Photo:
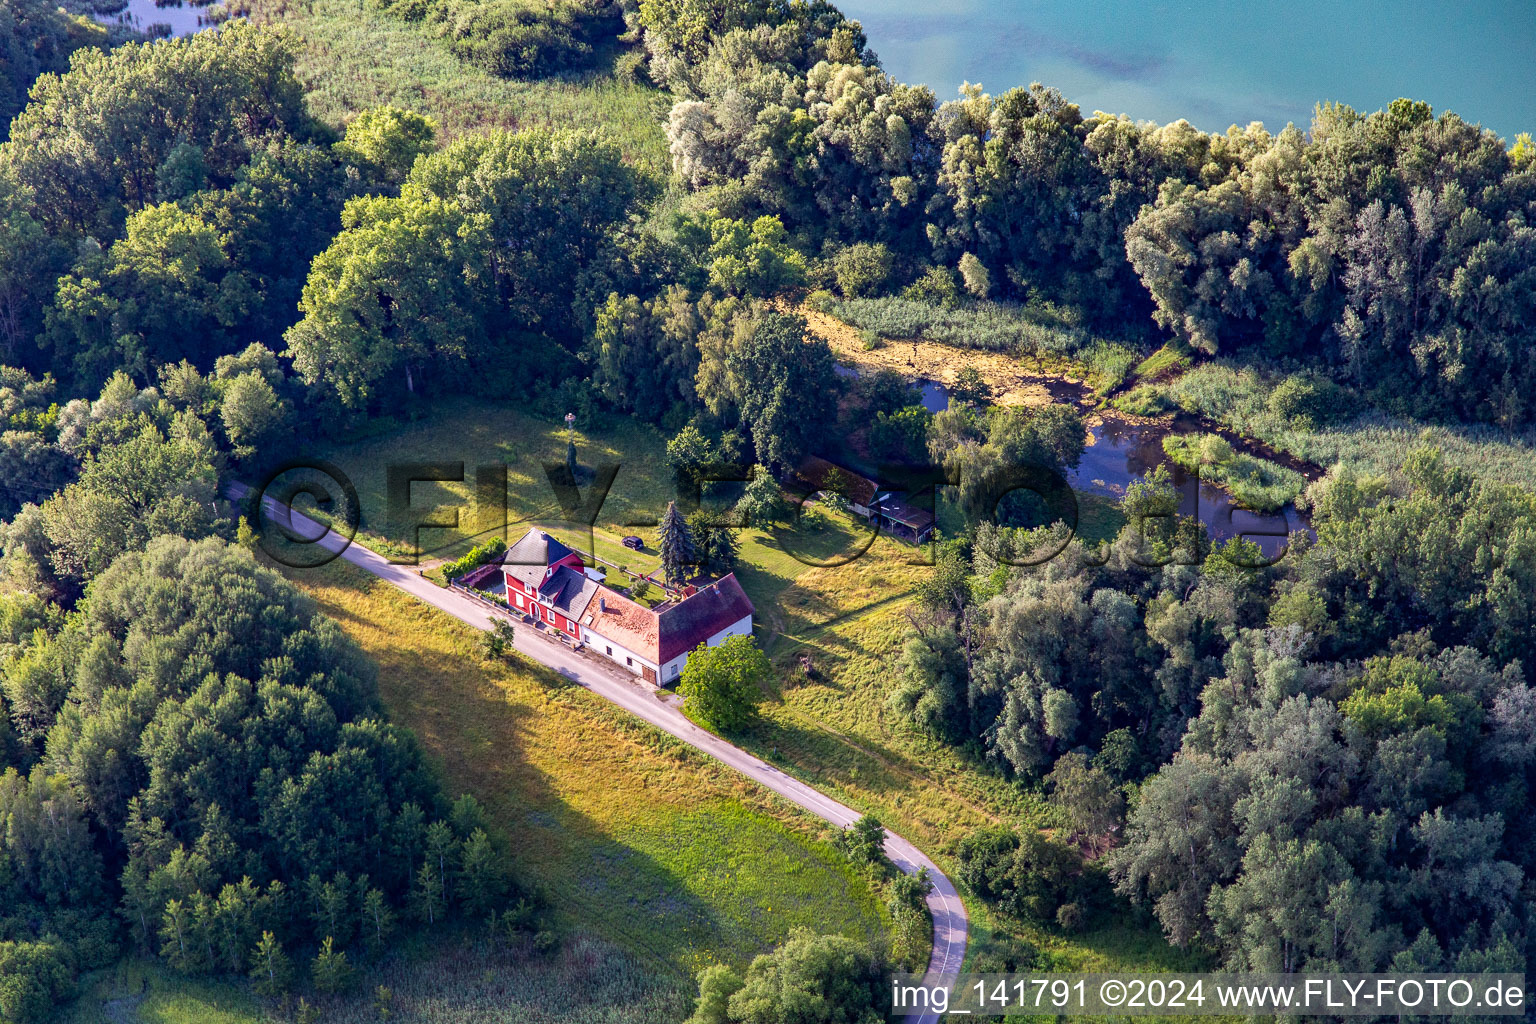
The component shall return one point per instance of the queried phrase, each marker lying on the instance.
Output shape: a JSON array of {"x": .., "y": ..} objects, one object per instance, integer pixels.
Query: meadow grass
[
  {"x": 1165, "y": 359},
  {"x": 445, "y": 977},
  {"x": 832, "y": 728},
  {"x": 1237, "y": 396},
  {"x": 628, "y": 833},
  {"x": 1144, "y": 400},
  {"x": 1110, "y": 363},
  {"x": 353, "y": 57},
  {"x": 1253, "y": 482}
]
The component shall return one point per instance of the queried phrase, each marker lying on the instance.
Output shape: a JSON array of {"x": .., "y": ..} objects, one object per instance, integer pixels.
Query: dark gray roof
[
  {"x": 568, "y": 591},
  {"x": 530, "y": 558}
]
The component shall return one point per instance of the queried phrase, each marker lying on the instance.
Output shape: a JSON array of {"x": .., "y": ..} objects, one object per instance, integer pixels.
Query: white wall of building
[
  {"x": 671, "y": 670},
  {"x": 674, "y": 668},
  {"x": 621, "y": 655}
]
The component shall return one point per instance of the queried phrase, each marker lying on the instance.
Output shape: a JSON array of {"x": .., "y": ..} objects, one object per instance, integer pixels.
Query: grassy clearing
[
  {"x": 1165, "y": 360},
  {"x": 478, "y": 434},
  {"x": 828, "y": 548},
  {"x": 449, "y": 978},
  {"x": 1253, "y": 482},
  {"x": 354, "y": 58},
  {"x": 629, "y": 833},
  {"x": 1242, "y": 398}
]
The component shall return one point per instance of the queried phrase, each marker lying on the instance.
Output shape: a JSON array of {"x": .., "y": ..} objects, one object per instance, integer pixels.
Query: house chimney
[{"x": 602, "y": 605}]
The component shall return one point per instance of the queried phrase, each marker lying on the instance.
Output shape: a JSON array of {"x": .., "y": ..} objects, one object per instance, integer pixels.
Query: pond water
[
  {"x": 935, "y": 395},
  {"x": 182, "y": 19},
  {"x": 1123, "y": 452},
  {"x": 1220, "y": 63}
]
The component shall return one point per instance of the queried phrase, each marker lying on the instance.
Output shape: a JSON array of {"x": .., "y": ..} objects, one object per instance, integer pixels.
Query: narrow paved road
[{"x": 629, "y": 693}]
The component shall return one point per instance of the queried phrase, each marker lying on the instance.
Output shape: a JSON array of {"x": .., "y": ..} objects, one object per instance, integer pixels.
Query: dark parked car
[{"x": 633, "y": 543}]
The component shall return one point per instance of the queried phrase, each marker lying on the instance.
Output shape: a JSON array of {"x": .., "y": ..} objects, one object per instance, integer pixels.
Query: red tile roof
[
  {"x": 615, "y": 617},
  {"x": 818, "y": 473},
  {"x": 673, "y": 629},
  {"x": 695, "y": 619}
]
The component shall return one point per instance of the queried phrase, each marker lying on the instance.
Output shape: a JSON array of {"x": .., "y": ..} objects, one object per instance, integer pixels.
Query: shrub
[
  {"x": 900, "y": 436},
  {"x": 1025, "y": 875},
  {"x": 820, "y": 300},
  {"x": 34, "y": 977},
  {"x": 936, "y": 287},
  {"x": 974, "y": 273},
  {"x": 1215, "y": 450},
  {"x": 1307, "y": 403},
  {"x": 970, "y": 388},
  {"x": 1253, "y": 482},
  {"x": 477, "y": 556},
  {"x": 1144, "y": 400},
  {"x": 810, "y": 979},
  {"x": 862, "y": 269}
]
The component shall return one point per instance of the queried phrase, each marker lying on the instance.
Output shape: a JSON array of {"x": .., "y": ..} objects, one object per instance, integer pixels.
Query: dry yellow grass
[
  {"x": 630, "y": 833},
  {"x": 1014, "y": 381}
]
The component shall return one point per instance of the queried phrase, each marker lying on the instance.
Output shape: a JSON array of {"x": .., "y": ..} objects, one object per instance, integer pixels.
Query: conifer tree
[
  {"x": 331, "y": 972},
  {"x": 676, "y": 542},
  {"x": 270, "y": 969}
]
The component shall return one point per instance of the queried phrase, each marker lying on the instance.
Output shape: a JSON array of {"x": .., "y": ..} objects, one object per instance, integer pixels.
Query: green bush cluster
[
  {"x": 1255, "y": 483},
  {"x": 514, "y": 38},
  {"x": 1029, "y": 877},
  {"x": 477, "y": 556}
]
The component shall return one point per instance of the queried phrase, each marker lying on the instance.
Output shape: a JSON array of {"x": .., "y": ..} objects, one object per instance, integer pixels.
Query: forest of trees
[{"x": 1320, "y": 763}]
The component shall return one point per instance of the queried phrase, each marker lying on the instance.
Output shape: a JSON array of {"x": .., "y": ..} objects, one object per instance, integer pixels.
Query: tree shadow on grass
[{"x": 476, "y": 737}]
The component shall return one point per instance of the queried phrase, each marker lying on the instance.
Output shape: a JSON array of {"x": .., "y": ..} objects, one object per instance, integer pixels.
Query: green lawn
[
  {"x": 478, "y": 433},
  {"x": 631, "y": 834},
  {"x": 828, "y": 553},
  {"x": 833, "y": 728},
  {"x": 353, "y": 58}
]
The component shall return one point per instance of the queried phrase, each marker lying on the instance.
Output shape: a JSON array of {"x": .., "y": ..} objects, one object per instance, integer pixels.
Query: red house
[{"x": 549, "y": 581}]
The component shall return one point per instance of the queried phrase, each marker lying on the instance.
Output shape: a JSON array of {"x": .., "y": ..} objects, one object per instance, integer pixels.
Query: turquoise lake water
[{"x": 1218, "y": 64}]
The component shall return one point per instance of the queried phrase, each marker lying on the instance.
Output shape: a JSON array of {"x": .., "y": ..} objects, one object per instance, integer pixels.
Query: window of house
[
  {"x": 610, "y": 652},
  {"x": 630, "y": 662}
]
